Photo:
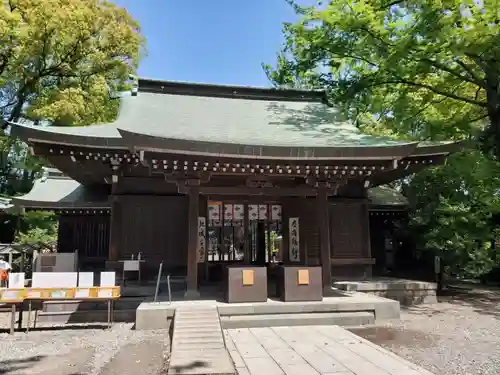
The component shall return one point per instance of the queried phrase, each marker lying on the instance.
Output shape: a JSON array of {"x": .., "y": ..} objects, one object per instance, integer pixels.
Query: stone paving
[{"x": 325, "y": 350}]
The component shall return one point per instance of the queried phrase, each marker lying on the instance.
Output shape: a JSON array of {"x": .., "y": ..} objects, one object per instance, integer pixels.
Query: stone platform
[
  {"x": 407, "y": 292},
  {"x": 346, "y": 309},
  {"x": 326, "y": 350}
]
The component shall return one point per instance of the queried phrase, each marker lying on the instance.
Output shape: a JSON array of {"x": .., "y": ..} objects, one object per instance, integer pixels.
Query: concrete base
[
  {"x": 406, "y": 292},
  {"x": 154, "y": 315},
  {"x": 151, "y": 315}
]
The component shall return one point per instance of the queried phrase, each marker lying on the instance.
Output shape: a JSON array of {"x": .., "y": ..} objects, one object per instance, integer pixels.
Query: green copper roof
[
  {"x": 385, "y": 196},
  {"x": 226, "y": 120},
  {"x": 280, "y": 119},
  {"x": 61, "y": 192},
  {"x": 241, "y": 121}
]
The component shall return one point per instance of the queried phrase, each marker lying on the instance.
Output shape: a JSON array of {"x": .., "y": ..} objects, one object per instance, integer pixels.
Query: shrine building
[{"x": 208, "y": 177}]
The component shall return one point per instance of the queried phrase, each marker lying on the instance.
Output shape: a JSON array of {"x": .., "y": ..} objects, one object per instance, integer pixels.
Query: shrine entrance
[{"x": 242, "y": 233}]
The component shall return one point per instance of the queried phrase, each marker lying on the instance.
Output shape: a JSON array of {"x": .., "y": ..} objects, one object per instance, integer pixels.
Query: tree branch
[
  {"x": 469, "y": 70},
  {"x": 427, "y": 87},
  {"x": 392, "y": 3},
  {"x": 453, "y": 72}
]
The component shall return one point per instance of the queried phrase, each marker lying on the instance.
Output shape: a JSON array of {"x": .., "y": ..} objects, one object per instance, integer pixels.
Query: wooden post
[
  {"x": 115, "y": 230},
  {"x": 246, "y": 232},
  {"x": 192, "y": 261},
  {"x": 324, "y": 235}
]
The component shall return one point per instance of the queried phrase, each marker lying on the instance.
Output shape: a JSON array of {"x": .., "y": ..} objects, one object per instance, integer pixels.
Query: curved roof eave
[
  {"x": 74, "y": 136},
  {"x": 139, "y": 141},
  {"x": 61, "y": 193},
  {"x": 440, "y": 148}
]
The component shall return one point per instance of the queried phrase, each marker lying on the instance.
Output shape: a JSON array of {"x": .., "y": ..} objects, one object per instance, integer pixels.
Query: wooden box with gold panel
[
  {"x": 246, "y": 284},
  {"x": 299, "y": 283}
]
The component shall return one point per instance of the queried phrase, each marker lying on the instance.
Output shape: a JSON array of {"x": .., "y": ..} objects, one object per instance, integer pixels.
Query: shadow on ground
[
  {"x": 394, "y": 336},
  {"x": 190, "y": 366},
  {"x": 60, "y": 328},
  {"x": 16, "y": 365}
]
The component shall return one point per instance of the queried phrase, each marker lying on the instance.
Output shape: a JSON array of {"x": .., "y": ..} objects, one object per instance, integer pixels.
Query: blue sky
[{"x": 211, "y": 41}]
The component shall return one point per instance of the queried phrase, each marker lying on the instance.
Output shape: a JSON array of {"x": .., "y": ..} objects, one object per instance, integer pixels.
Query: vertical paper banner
[
  {"x": 275, "y": 212},
  {"x": 294, "y": 240},
  {"x": 253, "y": 212},
  {"x": 228, "y": 212},
  {"x": 214, "y": 210},
  {"x": 238, "y": 212},
  {"x": 202, "y": 244},
  {"x": 262, "y": 211}
]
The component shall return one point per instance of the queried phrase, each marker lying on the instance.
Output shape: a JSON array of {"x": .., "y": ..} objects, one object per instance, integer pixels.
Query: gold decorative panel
[
  {"x": 248, "y": 277},
  {"x": 303, "y": 277}
]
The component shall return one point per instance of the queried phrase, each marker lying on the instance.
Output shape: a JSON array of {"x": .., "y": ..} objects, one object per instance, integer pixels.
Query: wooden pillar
[
  {"x": 324, "y": 236},
  {"x": 246, "y": 234},
  {"x": 192, "y": 261},
  {"x": 115, "y": 229}
]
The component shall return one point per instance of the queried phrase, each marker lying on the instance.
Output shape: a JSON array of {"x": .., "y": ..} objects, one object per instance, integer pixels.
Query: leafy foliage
[
  {"x": 417, "y": 69},
  {"x": 453, "y": 212},
  {"x": 37, "y": 229},
  {"x": 62, "y": 62},
  {"x": 421, "y": 70},
  {"x": 61, "y": 59}
]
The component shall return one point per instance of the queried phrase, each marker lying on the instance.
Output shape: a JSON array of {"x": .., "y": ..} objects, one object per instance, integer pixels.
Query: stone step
[
  {"x": 90, "y": 316},
  {"x": 308, "y": 319}
]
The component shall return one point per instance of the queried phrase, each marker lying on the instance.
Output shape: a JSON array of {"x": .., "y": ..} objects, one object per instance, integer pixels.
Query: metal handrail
[{"x": 160, "y": 269}]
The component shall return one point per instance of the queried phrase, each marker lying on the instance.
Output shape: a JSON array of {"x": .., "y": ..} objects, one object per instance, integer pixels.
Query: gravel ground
[
  {"x": 458, "y": 336},
  {"x": 83, "y": 350}
]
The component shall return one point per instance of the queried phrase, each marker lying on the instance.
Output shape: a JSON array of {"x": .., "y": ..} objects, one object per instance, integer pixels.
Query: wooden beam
[{"x": 249, "y": 191}]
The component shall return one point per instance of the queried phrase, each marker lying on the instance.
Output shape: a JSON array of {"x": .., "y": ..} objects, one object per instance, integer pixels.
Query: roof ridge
[{"x": 230, "y": 91}]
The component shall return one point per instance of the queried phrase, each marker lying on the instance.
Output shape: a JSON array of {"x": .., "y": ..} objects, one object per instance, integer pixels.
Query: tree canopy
[
  {"x": 61, "y": 59},
  {"x": 455, "y": 211},
  {"x": 62, "y": 62},
  {"x": 416, "y": 69},
  {"x": 421, "y": 70}
]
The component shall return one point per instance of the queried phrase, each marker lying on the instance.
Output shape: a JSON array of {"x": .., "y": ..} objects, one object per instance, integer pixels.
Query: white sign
[
  {"x": 131, "y": 265},
  {"x": 85, "y": 279},
  {"x": 202, "y": 239},
  {"x": 294, "y": 239},
  {"x": 16, "y": 280},
  {"x": 54, "y": 279},
  {"x": 108, "y": 279}
]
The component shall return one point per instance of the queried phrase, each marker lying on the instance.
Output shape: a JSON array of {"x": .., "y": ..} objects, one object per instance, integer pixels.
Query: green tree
[
  {"x": 453, "y": 209},
  {"x": 37, "y": 229},
  {"x": 62, "y": 62},
  {"x": 61, "y": 59},
  {"x": 416, "y": 69}
]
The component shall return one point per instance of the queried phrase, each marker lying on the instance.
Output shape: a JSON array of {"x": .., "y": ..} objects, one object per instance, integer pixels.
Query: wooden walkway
[{"x": 198, "y": 343}]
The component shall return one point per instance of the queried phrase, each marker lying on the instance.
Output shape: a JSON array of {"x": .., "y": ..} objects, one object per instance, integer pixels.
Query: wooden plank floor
[{"x": 198, "y": 344}]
